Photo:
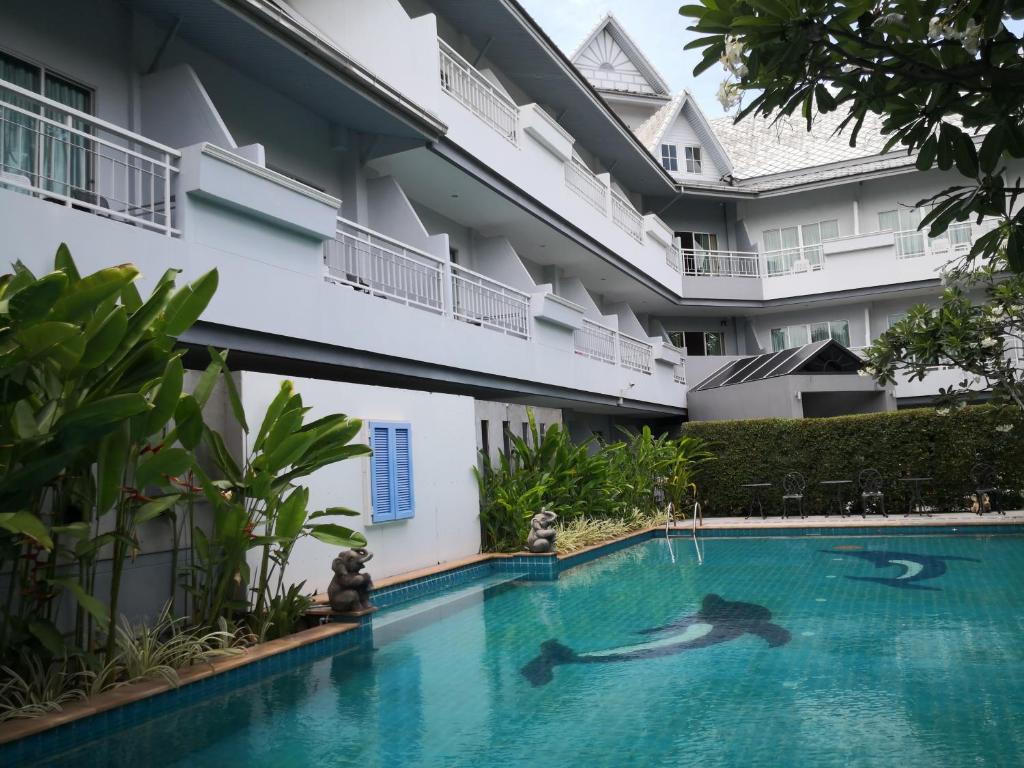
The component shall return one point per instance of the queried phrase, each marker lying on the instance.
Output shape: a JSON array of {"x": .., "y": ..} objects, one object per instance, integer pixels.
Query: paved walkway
[{"x": 1015, "y": 517}]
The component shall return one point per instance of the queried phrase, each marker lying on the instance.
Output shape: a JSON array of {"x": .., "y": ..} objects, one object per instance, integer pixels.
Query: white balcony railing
[
  {"x": 584, "y": 183},
  {"x": 635, "y": 354},
  {"x": 461, "y": 80},
  {"x": 70, "y": 157},
  {"x": 956, "y": 241},
  {"x": 793, "y": 261},
  {"x": 479, "y": 300},
  {"x": 371, "y": 262},
  {"x": 627, "y": 218},
  {"x": 595, "y": 341},
  {"x": 721, "y": 263}
]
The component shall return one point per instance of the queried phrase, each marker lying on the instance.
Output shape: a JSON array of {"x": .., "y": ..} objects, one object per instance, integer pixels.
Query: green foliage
[
  {"x": 260, "y": 505},
  {"x": 940, "y": 74},
  {"x": 599, "y": 482},
  {"x": 583, "y": 532},
  {"x": 985, "y": 340},
  {"x": 920, "y": 443}
]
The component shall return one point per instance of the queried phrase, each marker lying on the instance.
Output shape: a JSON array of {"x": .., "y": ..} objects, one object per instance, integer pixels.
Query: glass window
[
  {"x": 668, "y": 157},
  {"x": 693, "y": 159},
  {"x": 714, "y": 342},
  {"x": 699, "y": 343},
  {"x": 791, "y": 336}
]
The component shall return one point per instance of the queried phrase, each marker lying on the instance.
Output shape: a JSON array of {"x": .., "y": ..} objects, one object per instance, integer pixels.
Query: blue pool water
[{"x": 844, "y": 671}]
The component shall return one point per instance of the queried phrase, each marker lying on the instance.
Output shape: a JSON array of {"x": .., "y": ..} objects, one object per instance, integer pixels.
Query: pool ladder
[{"x": 670, "y": 522}]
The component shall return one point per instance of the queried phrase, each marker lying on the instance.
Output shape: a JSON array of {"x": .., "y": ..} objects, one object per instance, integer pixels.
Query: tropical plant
[
  {"x": 596, "y": 481},
  {"x": 259, "y": 505},
  {"x": 90, "y": 382},
  {"x": 583, "y": 532}
]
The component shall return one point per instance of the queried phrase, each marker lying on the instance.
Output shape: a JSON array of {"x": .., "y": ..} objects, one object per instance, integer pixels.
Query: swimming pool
[{"x": 792, "y": 660}]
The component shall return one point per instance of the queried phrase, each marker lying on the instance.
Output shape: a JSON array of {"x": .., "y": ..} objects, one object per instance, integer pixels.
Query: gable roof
[
  {"x": 652, "y": 131},
  {"x": 608, "y": 48},
  {"x": 821, "y": 357}
]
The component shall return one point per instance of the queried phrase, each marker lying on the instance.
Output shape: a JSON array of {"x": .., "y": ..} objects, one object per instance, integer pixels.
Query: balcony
[
  {"x": 68, "y": 157},
  {"x": 598, "y": 342},
  {"x": 626, "y": 217},
  {"x": 581, "y": 180},
  {"x": 461, "y": 81},
  {"x": 380, "y": 266}
]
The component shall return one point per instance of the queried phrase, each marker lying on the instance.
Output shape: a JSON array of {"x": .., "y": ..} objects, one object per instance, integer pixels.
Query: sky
[{"x": 656, "y": 27}]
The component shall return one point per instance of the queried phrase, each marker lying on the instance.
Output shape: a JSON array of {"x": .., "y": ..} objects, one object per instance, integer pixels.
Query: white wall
[{"x": 446, "y": 525}]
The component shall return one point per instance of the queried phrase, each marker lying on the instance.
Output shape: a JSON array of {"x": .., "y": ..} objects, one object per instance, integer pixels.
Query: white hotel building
[{"x": 429, "y": 216}]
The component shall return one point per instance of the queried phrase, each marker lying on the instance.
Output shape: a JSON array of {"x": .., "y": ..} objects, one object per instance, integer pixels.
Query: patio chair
[
  {"x": 985, "y": 480},
  {"x": 793, "y": 485},
  {"x": 871, "y": 483}
]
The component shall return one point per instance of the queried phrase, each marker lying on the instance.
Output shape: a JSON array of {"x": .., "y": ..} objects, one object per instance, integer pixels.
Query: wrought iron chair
[
  {"x": 871, "y": 489},
  {"x": 986, "y": 483},
  {"x": 793, "y": 485}
]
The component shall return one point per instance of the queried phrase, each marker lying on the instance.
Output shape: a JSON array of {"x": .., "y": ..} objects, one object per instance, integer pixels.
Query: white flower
[
  {"x": 988, "y": 342},
  {"x": 728, "y": 95},
  {"x": 972, "y": 37},
  {"x": 1004, "y": 427},
  {"x": 942, "y": 411},
  {"x": 732, "y": 56},
  {"x": 935, "y": 28}
]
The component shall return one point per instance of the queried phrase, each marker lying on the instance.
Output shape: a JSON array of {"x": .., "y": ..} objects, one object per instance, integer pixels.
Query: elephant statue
[
  {"x": 542, "y": 532},
  {"x": 349, "y": 590}
]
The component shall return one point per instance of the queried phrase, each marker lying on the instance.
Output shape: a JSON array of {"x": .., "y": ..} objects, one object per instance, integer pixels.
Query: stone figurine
[
  {"x": 542, "y": 532},
  {"x": 349, "y": 590}
]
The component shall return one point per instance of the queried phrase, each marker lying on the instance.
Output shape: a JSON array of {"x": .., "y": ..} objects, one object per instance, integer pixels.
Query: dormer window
[
  {"x": 693, "y": 159},
  {"x": 669, "y": 159}
]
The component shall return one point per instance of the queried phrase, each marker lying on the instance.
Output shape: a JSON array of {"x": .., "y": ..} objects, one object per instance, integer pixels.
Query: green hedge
[{"x": 920, "y": 442}]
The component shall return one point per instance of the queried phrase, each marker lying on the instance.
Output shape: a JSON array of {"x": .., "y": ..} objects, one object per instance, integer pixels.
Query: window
[
  {"x": 51, "y": 157},
  {"x": 693, "y": 161},
  {"x": 787, "y": 246},
  {"x": 668, "y": 157},
  {"x": 797, "y": 335},
  {"x": 699, "y": 343},
  {"x": 391, "y": 486}
]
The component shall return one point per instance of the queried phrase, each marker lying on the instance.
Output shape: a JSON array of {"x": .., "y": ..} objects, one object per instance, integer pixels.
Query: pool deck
[{"x": 965, "y": 519}]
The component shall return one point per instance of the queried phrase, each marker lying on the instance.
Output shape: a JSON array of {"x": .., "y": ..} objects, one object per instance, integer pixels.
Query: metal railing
[
  {"x": 371, "y": 262},
  {"x": 721, "y": 263},
  {"x": 595, "y": 341},
  {"x": 479, "y": 300},
  {"x": 626, "y": 217},
  {"x": 60, "y": 154},
  {"x": 584, "y": 183},
  {"x": 461, "y": 80},
  {"x": 793, "y": 261},
  {"x": 635, "y": 354},
  {"x": 956, "y": 241}
]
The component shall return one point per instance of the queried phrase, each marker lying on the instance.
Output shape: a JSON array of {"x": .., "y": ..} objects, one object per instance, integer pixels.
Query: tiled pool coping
[{"x": 25, "y": 740}]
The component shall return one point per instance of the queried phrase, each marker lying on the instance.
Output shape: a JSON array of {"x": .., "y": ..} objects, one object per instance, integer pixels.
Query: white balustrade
[
  {"x": 721, "y": 263},
  {"x": 635, "y": 354},
  {"x": 595, "y": 341},
  {"x": 60, "y": 154},
  {"x": 371, "y": 262},
  {"x": 584, "y": 183},
  {"x": 479, "y": 300},
  {"x": 461, "y": 80},
  {"x": 955, "y": 241},
  {"x": 627, "y": 218},
  {"x": 674, "y": 257},
  {"x": 793, "y": 261}
]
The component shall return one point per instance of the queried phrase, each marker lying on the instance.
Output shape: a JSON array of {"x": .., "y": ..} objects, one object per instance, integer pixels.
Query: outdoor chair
[
  {"x": 870, "y": 482},
  {"x": 985, "y": 479},
  {"x": 793, "y": 485}
]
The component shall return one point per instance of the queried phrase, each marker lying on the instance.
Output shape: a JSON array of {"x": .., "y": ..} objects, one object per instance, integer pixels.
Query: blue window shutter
[
  {"x": 391, "y": 480},
  {"x": 380, "y": 472},
  {"x": 403, "y": 495}
]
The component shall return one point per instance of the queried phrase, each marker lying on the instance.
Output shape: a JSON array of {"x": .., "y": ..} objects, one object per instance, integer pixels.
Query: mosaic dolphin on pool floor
[
  {"x": 916, "y": 568},
  {"x": 717, "y": 621}
]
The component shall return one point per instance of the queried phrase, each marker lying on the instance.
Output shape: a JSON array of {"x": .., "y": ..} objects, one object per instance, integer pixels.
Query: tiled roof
[
  {"x": 760, "y": 147},
  {"x": 653, "y": 128}
]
